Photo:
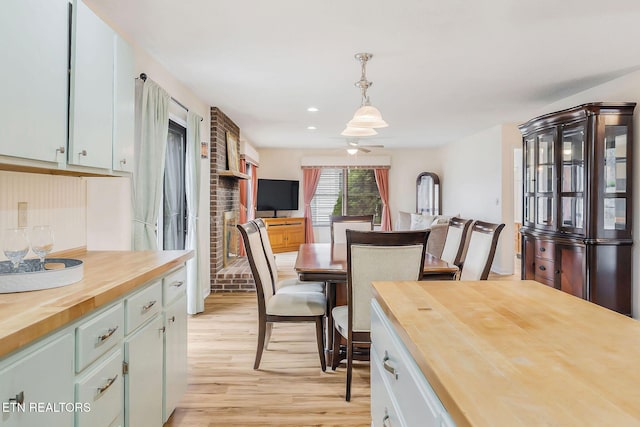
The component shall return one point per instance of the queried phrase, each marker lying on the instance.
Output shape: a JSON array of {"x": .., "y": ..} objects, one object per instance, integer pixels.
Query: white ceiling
[{"x": 442, "y": 70}]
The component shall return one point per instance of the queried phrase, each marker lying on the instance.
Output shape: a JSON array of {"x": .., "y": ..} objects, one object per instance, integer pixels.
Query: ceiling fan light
[
  {"x": 358, "y": 131},
  {"x": 352, "y": 151},
  {"x": 368, "y": 116}
]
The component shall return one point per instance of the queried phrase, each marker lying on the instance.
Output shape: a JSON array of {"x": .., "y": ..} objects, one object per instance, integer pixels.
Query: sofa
[{"x": 437, "y": 224}]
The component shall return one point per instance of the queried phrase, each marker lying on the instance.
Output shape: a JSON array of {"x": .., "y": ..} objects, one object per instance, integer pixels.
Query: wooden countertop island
[
  {"x": 27, "y": 316},
  {"x": 501, "y": 353}
]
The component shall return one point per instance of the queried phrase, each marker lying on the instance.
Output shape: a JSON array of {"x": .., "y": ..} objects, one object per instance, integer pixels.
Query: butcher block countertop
[
  {"x": 502, "y": 353},
  {"x": 27, "y": 316}
]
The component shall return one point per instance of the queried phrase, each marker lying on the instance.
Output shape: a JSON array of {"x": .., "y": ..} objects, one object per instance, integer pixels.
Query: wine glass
[
  {"x": 15, "y": 245},
  {"x": 41, "y": 241}
]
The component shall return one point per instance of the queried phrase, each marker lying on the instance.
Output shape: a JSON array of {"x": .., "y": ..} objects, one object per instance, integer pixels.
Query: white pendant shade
[
  {"x": 352, "y": 151},
  {"x": 367, "y": 116},
  {"x": 358, "y": 131}
]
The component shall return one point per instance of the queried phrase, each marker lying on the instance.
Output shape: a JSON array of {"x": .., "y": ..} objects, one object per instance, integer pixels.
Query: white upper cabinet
[
  {"x": 33, "y": 48},
  {"x": 91, "y": 101},
  {"x": 123, "y": 107}
]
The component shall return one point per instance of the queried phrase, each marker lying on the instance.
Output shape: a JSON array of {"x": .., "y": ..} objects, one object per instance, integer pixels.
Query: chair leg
[
  {"x": 320, "y": 340},
  {"x": 262, "y": 330},
  {"x": 349, "y": 369},
  {"x": 267, "y": 335},
  {"x": 335, "y": 352}
]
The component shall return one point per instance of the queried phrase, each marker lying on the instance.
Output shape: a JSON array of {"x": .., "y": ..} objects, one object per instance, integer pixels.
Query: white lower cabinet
[
  {"x": 143, "y": 383},
  {"x": 101, "y": 389},
  {"x": 411, "y": 400},
  {"x": 175, "y": 355},
  {"x": 37, "y": 388}
]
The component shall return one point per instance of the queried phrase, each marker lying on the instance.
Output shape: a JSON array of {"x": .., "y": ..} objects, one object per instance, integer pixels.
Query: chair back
[
  {"x": 456, "y": 240},
  {"x": 340, "y": 224},
  {"x": 378, "y": 256},
  {"x": 258, "y": 263},
  {"x": 268, "y": 250},
  {"x": 481, "y": 250}
]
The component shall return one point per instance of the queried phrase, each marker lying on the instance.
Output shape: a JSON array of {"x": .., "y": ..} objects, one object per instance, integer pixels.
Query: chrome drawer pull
[
  {"x": 110, "y": 332},
  {"x": 387, "y": 366},
  {"x": 148, "y": 306},
  {"x": 19, "y": 399},
  {"x": 178, "y": 284},
  {"x": 107, "y": 385}
]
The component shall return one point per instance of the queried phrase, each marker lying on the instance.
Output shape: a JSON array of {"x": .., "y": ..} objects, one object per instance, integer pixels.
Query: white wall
[{"x": 406, "y": 165}]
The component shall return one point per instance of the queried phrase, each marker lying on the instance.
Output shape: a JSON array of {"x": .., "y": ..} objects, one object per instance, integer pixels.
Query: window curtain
[
  {"x": 173, "y": 205},
  {"x": 195, "y": 281},
  {"x": 310, "y": 176},
  {"x": 152, "y": 105},
  {"x": 382, "y": 179},
  {"x": 243, "y": 200}
]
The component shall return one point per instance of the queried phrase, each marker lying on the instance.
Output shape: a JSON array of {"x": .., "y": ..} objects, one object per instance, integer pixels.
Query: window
[
  {"x": 344, "y": 191},
  {"x": 174, "y": 206}
]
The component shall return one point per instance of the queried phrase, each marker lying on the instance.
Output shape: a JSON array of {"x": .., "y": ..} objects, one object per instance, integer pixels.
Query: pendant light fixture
[{"x": 367, "y": 117}]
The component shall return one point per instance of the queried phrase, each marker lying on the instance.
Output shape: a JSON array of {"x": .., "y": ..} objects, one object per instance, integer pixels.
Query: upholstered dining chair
[
  {"x": 285, "y": 285},
  {"x": 481, "y": 250},
  {"x": 456, "y": 241},
  {"x": 372, "y": 256},
  {"x": 339, "y": 224},
  {"x": 279, "y": 307}
]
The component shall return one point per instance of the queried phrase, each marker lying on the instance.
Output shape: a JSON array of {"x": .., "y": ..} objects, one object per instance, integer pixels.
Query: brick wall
[{"x": 225, "y": 193}]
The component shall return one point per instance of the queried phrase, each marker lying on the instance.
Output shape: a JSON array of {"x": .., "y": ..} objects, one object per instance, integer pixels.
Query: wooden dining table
[{"x": 327, "y": 262}]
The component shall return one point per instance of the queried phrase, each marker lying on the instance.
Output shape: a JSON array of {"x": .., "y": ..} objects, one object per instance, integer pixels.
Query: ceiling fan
[{"x": 354, "y": 146}]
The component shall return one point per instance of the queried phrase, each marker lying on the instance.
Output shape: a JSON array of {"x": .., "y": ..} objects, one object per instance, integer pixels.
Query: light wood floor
[{"x": 289, "y": 389}]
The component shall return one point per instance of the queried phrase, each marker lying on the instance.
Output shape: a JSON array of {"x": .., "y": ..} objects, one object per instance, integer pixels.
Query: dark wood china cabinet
[{"x": 577, "y": 204}]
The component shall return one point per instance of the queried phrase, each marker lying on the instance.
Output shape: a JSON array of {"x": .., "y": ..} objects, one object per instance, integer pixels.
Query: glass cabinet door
[
  {"x": 572, "y": 178},
  {"x": 529, "y": 171},
  {"x": 615, "y": 178},
  {"x": 545, "y": 179}
]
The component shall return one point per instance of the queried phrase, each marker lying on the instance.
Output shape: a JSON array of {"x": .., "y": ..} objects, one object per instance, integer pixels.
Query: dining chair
[
  {"x": 481, "y": 250},
  {"x": 285, "y": 285},
  {"x": 279, "y": 307},
  {"x": 339, "y": 224},
  {"x": 372, "y": 256},
  {"x": 456, "y": 241}
]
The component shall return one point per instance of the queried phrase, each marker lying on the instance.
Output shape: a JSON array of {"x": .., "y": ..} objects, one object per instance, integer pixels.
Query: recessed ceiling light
[
  {"x": 312, "y": 109},
  {"x": 312, "y": 127}
]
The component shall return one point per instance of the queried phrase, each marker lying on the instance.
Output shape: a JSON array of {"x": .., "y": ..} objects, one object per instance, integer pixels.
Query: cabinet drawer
[
  {"x": 544, "y": 269},
  {"x": 102, "y": 391},
  {"x": 384, "y": 409},
  {"x": 99, "y": 334},
  {"x": 174, "y": 285},
  {"x": 142, "y": 306},
  {"x": 545, "y": 249},
  {"x": 417, "y": 402}
]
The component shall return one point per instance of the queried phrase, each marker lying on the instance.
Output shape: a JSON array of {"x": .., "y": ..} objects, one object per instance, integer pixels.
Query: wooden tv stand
[{"x": 285, "y": 234}]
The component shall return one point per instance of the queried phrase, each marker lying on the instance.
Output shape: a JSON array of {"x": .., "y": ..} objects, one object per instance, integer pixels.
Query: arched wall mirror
[{"x": 428, "y": 198}]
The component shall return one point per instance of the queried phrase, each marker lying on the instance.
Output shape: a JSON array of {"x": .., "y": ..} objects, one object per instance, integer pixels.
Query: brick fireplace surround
[{"x": 225, "y": 196}]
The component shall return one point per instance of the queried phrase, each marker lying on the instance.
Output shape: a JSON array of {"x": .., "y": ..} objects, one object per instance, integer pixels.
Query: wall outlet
[{"x": 22, "y": 214}]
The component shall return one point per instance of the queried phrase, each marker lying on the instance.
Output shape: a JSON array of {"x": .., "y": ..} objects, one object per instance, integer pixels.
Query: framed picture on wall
[{"x": 233, "y": 161}]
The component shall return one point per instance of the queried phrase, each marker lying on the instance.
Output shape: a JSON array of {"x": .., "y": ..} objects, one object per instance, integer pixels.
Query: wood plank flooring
[{"x": 289, "y": 389}]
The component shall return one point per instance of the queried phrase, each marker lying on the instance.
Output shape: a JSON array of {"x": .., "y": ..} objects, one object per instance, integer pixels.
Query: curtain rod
[{"x": 143, "y": 77}]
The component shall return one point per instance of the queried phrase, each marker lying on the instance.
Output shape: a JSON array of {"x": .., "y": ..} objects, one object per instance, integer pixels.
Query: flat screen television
[{"x": 277, "y": 195}]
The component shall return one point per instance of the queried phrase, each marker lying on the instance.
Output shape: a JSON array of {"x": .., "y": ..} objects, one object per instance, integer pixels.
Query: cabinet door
[
  {"x": 91, "y": 103},
  {"x": 545, "y": 184},
  {"x": 33, "y": 113},
  {"x": 101, "y": 389},
  {"x": 572, "y": 179},
  {"x": 123, "y": 107},
  {"x": 295, "y": 237},
  {"x": 175, "y": 355},
  {"x": 40, "y": 380},
  {"x": 143, "y": 383},
  {"x": 571, "y": 260}
]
